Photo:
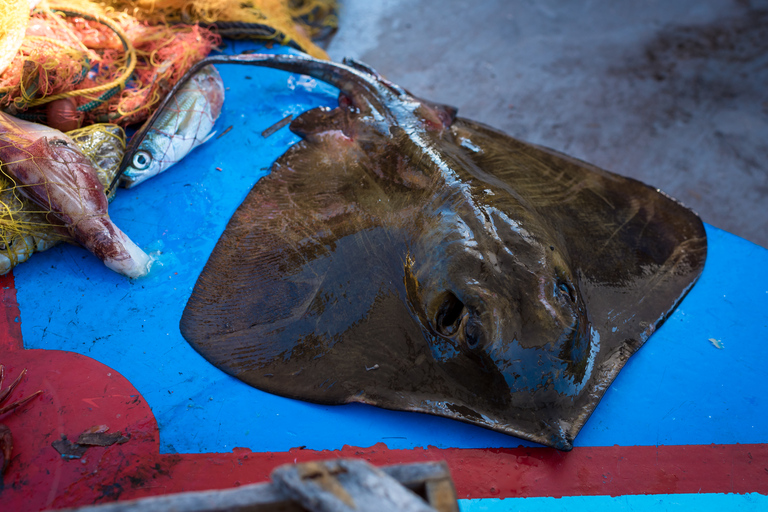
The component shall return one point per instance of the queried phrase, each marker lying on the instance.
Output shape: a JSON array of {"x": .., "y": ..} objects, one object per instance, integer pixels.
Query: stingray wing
[
  {"x": 300, "y": 279},
  {"x": 304, "y": 294},
  {"x": 635, "y": 250}
]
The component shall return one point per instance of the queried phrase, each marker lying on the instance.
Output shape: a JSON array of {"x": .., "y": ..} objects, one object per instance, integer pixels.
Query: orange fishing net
[
  {"x": 164, "y": 54},
  {"x": 94, "y": 61},
  {"x": 118, "y": 58},
  {"x": 81, "y": 51},
  {"x": 13, "y": 19},
  {"x": 291, "y": 20}
]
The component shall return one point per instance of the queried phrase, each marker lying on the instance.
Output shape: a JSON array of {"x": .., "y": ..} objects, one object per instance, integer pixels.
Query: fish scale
[{"x": 182, "y": 122}]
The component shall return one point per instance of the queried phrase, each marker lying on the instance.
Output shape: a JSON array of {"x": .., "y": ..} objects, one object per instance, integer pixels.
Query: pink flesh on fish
[{"x": 50, "y": 170}]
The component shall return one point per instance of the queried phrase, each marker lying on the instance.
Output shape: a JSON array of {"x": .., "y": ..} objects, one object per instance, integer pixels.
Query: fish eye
[
  {"x": 141, "y": 160},
  {"x": 449, "y": 315}
]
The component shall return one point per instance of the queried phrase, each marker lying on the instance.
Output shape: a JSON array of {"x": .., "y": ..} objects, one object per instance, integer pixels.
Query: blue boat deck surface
[{"x": 698, "y": 381}]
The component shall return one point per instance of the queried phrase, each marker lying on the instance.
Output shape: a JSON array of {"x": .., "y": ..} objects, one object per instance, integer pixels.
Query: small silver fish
[{"x": 184, "y": 122}]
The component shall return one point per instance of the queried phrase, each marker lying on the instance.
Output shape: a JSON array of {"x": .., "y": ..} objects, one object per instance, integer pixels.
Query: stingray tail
[{"x": 366, "y": 89}]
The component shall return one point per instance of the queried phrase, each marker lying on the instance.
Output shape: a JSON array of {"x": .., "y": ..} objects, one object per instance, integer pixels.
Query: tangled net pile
[
  {"x": 285, "y": 21},
  {"x": 114, "y": 67},
  {"x": 90, "y": 62}
]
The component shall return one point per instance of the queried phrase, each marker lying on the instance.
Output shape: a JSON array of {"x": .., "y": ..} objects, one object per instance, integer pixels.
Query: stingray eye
[
  {"x": 449, "y": 315},
  {"x": 473, "y": 333},
  {"x": 141, "y": 160}
]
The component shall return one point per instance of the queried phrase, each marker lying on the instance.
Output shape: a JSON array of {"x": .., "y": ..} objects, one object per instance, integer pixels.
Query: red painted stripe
[
  {"x": 39, "y": 479},
  {"x": 518, "y": 472},
  {"x": 10, "y": 318},
  {"x": 93, "y": 394}
]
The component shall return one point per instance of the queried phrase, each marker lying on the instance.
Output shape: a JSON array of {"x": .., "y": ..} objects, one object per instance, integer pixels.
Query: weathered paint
[
  {"x": 10, "y": 320},
  {"x": 102, "y": 346},
  {"x": 80, "y": 392},
  {"x": 132, "y": 326},
  {"x": 659, "y": 502}
]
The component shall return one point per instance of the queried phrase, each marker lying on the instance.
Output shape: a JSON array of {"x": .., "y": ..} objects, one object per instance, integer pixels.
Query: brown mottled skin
[{"x": 403, "y": 257}]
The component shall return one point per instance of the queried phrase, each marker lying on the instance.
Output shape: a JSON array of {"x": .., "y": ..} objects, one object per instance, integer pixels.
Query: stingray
[{"x": 406, "y": 258}]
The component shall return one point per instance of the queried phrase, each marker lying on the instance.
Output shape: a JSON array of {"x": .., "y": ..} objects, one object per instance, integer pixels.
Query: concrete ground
[{"x": 671, "y": 92}]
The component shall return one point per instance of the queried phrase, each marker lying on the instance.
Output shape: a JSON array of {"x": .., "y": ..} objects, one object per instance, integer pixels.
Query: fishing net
[
  {"x": 50, "y": 60},
  {"x": 116, "y": 59},
  {"x": 13, "y": 19},
  {"x": 24, "y": 225},
  {"x": 284, "y": 21},
  {"x": 164, "y": 54},
  {"x": 104, "y": 145},
  {"x": 55, "y": 62},
  {"x": 78, "y": 62},
  {"x": 114, "y": 67},
  {"x": 318, "y": 18}
]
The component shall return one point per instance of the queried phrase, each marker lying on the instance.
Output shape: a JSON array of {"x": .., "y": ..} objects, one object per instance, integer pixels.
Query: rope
[
  {"x": 246, "y": 30},
  {"x": 112, "y": 87}
]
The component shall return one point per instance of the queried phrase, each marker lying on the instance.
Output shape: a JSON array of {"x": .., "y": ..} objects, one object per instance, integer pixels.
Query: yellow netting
[
  {"x": 24, "y": 226},
  {"x": 51, "y": 60},
  {"x": 117, "y": 58},
  {"x": 104, "y": 145},
  {"x": 164, "y": 53},
  {"x": 89, "y": 61},
  {"x": 13, "y": 19},
  {"x": 318, "y": 17},
  {"x": 294, "y": 20},
  {"x": 114, "y": 67}
]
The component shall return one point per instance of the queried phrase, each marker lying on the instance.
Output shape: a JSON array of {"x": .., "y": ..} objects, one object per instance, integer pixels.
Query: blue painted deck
[{"x": 679, "y": 389}]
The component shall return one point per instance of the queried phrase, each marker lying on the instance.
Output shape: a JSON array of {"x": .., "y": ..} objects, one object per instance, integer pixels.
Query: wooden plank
[
  {"x": 418, "y": 487},
  {"x": 346, "y": 485}
]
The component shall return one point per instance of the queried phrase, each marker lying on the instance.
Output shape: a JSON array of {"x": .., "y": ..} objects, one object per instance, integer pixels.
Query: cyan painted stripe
[{"x": 635, "y": 503}]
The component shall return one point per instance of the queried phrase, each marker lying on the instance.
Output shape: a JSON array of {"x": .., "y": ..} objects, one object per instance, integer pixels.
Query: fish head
[
  {"x": 500, "y": 307},
  {"x": 32, "y": 161},
  {"x": 51, "y": 170},
  {"x": 182, "y": 122},
  {"x": 151, "y": 158}
]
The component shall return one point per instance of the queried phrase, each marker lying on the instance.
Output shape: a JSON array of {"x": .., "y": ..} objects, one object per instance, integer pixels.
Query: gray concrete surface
[{"x": 671, "y": 92}]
